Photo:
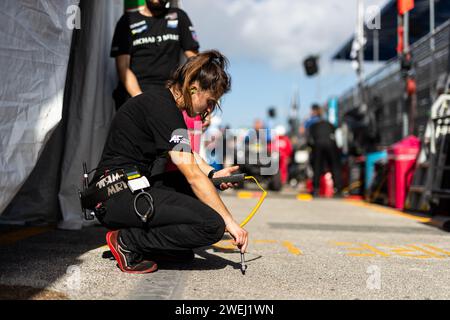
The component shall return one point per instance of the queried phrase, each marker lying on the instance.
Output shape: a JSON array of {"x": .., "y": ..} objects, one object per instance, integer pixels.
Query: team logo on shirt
[
  {"x": 155, "y": 39},
  {"x": 193, "y": 33},
  {"x": 139, "y": 30},
  {"x": 177, "y": 139},
  {"x": 138, "y": 27},
  {"x": 172, "y": 20},
  {"x": 108, "y": 180},
  {"x": 172, "y": 24},
  {"x": 137, "y": 24},
  {"x": 172, "y": 16}
]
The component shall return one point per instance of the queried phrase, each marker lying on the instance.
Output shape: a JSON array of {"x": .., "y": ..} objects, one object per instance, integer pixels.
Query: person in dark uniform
[
  {"x": 316, "y": 115},
  {"x": 186, "y": 210},
  {"x": 147, "y": 46},
  {"x": 321, "y": 138}
]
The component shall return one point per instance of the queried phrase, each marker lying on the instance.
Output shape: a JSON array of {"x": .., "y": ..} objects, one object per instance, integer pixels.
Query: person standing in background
[
  {"x": 316, "y": 115},
  {"x": 285, "y": 151},
  {"x": 321, "y": 138},
  {"x": 147, "y": 46}
]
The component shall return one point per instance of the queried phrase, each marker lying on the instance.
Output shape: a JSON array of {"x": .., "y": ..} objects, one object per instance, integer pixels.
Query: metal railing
[{"x": 430, "y": 71}]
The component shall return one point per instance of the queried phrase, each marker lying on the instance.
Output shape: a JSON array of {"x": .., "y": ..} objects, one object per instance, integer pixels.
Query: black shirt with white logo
[
  {"x": 154, "y": 43},
  {"x": 141, "y": 135}
]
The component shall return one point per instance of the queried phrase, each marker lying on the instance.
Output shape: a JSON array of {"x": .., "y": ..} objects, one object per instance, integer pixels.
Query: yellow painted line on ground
[
  {"x": 341, "y": 243},
  {"x": 447, "y": 253},
  {"x": 385, "y": 210},
  {"x": 304, "y": 197},
  {"x": 22, "y": 234},
  {"x": 362, "y": 247},
  {"x": 428, "y": 253},
  {"x": 410, "y": 251},
  {"x": 291, "y": 248},
  {"x": 222, "y": 245}
]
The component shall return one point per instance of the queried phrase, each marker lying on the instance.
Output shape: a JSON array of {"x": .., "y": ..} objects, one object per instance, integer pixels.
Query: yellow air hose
[{"x": 258, "y": 205}]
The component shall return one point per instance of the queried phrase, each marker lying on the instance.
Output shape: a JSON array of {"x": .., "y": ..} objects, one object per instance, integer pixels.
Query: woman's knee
[{"x": 214, "y": 228}]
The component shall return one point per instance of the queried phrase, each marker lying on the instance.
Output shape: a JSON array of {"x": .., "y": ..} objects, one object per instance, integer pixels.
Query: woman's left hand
[{"x": 225, "y": 173}]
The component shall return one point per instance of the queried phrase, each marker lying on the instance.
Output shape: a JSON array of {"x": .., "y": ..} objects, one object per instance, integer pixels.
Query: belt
[
  {"x": 112, "y": 184},
  {"x": 104, "y": 188}
]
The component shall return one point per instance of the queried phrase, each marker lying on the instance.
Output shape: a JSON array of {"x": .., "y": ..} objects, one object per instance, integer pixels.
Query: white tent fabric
[
  {"x": 91, "y": 107},
  {"x": 34, "y": 52},
  {"x": 54, "y": 112}
]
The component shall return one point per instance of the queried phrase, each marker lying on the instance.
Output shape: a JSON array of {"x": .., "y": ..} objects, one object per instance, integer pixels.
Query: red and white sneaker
[{"x": 128, "y": 261}]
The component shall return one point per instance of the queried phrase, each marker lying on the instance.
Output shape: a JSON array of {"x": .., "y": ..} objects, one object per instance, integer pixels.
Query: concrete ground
[{"x": 299, "y": 249}]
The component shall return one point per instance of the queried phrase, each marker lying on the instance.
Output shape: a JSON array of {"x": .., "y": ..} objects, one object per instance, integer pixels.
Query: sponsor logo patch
[
  {"x": 157, "y": 39},
  {"x": 139, "y": 30},
  {"x": 137, "y": 24},
  {"x": 194, "y": 36},
  {"x": 115, "y": 188},
  {"x": 172, "y": 24},
  {"x": 177, "y": 139},
  {"x": 172, "y": 16},
  {"x": 108, "y": 180}
]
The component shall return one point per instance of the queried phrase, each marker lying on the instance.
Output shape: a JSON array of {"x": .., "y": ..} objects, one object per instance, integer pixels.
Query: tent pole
[
  {"x": 406, "y": 33},
  {"x": 376, "y": 45},
  {"x": 433, "y": 88},
  {"x": 360, "y": 40},
  {"x": 399, "y": 39},
  {"x": 405, "y": 116},
  {"x": 432, "y": 24},
  {"x": 361, "y": 36}
]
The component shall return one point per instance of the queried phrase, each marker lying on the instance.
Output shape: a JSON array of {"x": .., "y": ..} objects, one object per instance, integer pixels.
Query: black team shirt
[
  {"x": 141, "y": 135},
  {"x": 322, "y": 133},
  {"x": 154, "y": 43}
]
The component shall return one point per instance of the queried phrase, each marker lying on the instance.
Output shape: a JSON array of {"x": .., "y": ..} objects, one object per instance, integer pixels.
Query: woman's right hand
[{"x": 239, "y": 234}]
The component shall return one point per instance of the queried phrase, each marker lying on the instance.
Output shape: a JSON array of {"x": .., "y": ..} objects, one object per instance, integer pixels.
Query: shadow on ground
[
  {"x": 208, "y": 261},
  {"x": 203, "y": 260},
  {"x": 29, "y": 266}
]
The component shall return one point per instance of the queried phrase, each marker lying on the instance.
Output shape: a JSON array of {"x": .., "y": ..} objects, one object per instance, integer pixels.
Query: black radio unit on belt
[{"x": 113, "y": 182}]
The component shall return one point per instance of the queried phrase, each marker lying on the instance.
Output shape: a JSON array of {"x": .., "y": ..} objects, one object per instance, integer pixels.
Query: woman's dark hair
[{"x": 209, "y": 68}]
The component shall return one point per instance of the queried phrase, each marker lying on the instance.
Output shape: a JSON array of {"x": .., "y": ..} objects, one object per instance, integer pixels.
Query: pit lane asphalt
[{"x": 319, "y": 249}]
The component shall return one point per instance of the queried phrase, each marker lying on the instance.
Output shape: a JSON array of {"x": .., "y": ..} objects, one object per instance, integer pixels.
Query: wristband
[{"x": 211, "y": 173}]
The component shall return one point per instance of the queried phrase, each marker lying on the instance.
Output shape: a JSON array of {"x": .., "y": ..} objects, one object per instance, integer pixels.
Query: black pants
[
  {"x": 180, "y": 220},
  {"x": 324, "y": 155}
]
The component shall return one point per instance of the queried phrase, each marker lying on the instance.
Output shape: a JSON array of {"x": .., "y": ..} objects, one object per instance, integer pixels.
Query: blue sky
[
  {"x": 266, "y": 42},
  {"x": 257, "y": 86}
]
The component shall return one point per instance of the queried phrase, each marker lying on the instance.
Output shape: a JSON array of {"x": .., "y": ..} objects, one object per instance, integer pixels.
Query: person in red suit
[{"x": 285, "y": 149}]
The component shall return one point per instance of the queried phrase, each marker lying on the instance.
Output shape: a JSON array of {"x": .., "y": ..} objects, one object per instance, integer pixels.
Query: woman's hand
[
  {"x": 225, "y": 173},
  {"x": 239, "y": 234}
]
